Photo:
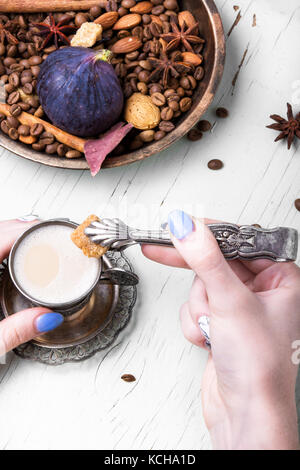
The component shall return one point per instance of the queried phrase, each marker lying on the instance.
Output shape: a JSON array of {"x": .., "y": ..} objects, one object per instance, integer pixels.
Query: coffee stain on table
[
  {"x": 236, "y": 22},
  {"x": 254, "y": 23},
  {"x": 235, "y": 78}
]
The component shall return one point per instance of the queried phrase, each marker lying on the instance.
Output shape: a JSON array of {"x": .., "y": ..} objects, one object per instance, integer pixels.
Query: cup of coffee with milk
[{"x": 49, "y": 270}]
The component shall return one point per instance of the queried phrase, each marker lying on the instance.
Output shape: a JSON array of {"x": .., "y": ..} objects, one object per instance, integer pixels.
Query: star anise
[
  {"x": 166, "y": 66},
  {"x": 182, "y": 35},
  {"x": 55, "y": 31},
  {"x": 5, "y": 33},
  {"x": 289, "y": 128}
]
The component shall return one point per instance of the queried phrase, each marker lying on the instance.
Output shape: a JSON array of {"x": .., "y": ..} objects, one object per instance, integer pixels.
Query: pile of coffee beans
[{"x": 20, "y": 63}]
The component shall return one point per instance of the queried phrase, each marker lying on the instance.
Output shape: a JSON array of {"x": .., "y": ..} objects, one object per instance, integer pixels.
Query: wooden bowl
[{"x": 211, "y": 28}]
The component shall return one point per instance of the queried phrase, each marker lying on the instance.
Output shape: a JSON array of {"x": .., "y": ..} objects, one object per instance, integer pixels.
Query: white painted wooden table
[{"x": 87, "y": 405}]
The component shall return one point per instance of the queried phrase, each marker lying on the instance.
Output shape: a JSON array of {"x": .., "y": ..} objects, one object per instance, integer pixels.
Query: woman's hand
[
  {"x": 25, "y": 325},
  {"x": 254, "y": 310}
]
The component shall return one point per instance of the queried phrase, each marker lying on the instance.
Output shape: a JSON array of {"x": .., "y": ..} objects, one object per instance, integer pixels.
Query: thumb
[
  {"x": 26, "y": 325},
  {"x": 199, "y": 248}
]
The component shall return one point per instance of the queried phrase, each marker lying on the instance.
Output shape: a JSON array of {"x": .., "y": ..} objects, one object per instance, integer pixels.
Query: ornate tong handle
[{"x": 246, "y": 242}]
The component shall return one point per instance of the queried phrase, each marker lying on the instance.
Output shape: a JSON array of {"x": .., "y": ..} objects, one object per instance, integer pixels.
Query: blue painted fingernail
[
  {"x": 180, "y": 224},
  {"x": 48, "y": 322}
]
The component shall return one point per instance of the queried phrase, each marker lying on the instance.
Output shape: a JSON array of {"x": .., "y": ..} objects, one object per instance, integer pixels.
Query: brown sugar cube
[{"x": 82, "y": 241}]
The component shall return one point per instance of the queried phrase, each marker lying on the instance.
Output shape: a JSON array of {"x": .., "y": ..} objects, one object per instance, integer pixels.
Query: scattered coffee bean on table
[
  {"x": 222, "y": 113},
  {"x": 128, "y": 378},
  {"x": 215, "y": 164},
  {"x": 204, "y": 126},
  {"x": 194, "y": 134},
  {"x": 297, "y": 204}
]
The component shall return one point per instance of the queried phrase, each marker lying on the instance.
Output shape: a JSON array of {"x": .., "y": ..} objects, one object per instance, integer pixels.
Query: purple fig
[{"x": 80, "y": 91}]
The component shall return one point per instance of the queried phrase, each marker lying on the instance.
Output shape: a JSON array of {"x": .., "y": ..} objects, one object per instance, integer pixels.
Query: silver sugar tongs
[{"x": 236, "y": 242}]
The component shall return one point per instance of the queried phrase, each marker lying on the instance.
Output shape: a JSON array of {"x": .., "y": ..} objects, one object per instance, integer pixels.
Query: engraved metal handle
[{"x": 246, "y": 242}]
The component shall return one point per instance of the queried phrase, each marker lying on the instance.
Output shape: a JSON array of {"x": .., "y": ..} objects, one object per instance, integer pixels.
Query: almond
[
  {"x": 141, "y": 112},
  {"x": 142, "y": 8},
  {"x": 156, "y": 19},
  {"x": 107, "y": 20},
  {"x": 192, "y": 58},
  {"x": 128, "y": 21},
  {"x": 187, "y": 18},
  {"x": 125, "y": 45}
]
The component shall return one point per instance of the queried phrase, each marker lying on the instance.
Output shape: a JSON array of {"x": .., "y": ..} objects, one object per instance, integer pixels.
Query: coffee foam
[{"x": 50, "y": 268}]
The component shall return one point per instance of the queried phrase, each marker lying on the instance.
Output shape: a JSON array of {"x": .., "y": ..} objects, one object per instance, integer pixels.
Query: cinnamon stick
[
  {"x": 63, "y": 137},
  {"x": 38, "y": 6}
]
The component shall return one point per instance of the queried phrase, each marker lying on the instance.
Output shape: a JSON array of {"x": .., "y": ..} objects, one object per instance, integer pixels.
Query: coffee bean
[
  {"x": 185, "y": 83},
  {"x": 142, "y": 87},
  {"x": 2, "y": 117},
  {"x": 170, "y": 5},
  {"x": 128, "y": 378},
  {"x": 222, "y": 113},
  {"x": 204, "y": 126},
  {"x": 128, "y": 3},
  {"x": 155, "y": 88},
  {"x": 156, "y": 29},
  {"x": 143, "y": 76},
  {"x": 95, "y": 11},
  {"x": 24, "y": 106},
  {"x": 167, "y": 114},
  {"x": 297, "y": 204},
  {"x": 199, "y": 73},
  {"x": 2, "y": 49},
  {"x": 36, "y": 130},
  {"x": 158, "y": 10},
  {"x": 8, "y": 61},
  {"x": 38, "y": 146},
  {"x": 174, "y": 105},
  {"x": 35, "y": 60},
  {"x": 61, "y": 150},
  {"x": 11, "y": 51},
  {"x": 27, "y": 88},
  {"x": 12, "y": 122},
  {"x": 13, "y": 133},
  {"x": 73, "y": 154},
  {"x": 14, "y": 79},
  {"x": 159, "y": 135},
  {"x": 31, "y": 50},
  {"x": 158, "y": 99},
  {"x": 194, "y": 134},
  {"x": 24, "y": 130},
  {"x": 122, "y": 11},
  {"x": 166, "y": 126},
  {"x": 51, "y": 148},
  {"x": 4, "y": 126},
  {"x": 185, "y": 104},
  {"x": 147, "y": 136},
  {"x": 180, "y": 92},
  {"x": 47, "y": 138},
  {"x": 146, "y": 19},
  {"x": 13, "y": 98},
  {"x": 35, "y": 69},
  {"x": 33, "y": 101},
  {"x": 215, "y": 164},
  {"x": 80, "y": 18},
  {"x": 145, "y": 64}
]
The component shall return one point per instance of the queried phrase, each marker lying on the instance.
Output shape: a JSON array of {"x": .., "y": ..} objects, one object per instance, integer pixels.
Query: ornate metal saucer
[{"x": 91, "y": 329}]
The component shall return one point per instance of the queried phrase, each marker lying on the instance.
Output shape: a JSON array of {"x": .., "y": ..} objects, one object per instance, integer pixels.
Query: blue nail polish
[
  {"x": 180, "y": 224},
  {"x": 48, "y": 321}
]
